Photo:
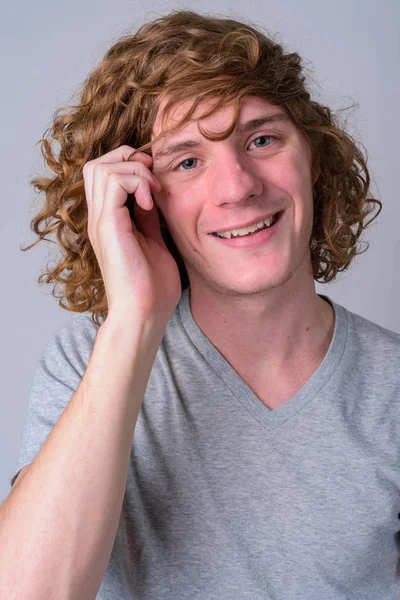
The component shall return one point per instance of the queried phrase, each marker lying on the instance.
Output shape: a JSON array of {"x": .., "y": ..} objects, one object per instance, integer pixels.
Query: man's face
[{"x": 262, "y": 170}]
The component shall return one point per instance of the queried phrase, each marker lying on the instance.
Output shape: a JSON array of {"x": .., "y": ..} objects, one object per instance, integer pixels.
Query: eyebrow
[{"x": 244, "y": 128}]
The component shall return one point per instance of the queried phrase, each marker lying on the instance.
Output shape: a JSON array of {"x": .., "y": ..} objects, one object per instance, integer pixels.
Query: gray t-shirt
[{"x": 229, "y": 500}]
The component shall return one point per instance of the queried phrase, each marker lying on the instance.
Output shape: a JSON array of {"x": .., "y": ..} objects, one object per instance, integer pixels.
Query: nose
[{"x": 234, "y": 178}]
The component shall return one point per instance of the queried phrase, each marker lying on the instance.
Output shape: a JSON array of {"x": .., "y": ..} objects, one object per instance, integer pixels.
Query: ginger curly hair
[{"x": 188, "y": 56}]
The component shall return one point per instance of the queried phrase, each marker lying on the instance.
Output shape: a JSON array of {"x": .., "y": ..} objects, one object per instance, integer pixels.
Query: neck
[{"x": 278, "y": 330}]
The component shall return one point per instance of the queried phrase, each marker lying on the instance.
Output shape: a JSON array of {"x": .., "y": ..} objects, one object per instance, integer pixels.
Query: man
[{"x": 225, "y": 432}]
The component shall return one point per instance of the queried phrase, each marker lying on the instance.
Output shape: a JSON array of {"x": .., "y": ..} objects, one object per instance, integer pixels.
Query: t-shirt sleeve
[{"x": 59, "y": 371}]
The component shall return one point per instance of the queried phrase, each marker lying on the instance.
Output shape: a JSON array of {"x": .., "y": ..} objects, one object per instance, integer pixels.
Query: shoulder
[
  {"x": 372, "y": 332},
  {"x": 376, "y": 343},
  {"x": 72, "y": 343}
]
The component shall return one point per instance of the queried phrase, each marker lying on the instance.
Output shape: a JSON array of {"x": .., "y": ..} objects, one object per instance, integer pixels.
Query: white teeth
[{"x": 246, "y": 230}]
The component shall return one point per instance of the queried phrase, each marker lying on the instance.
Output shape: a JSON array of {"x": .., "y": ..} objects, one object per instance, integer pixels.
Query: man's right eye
[{"x": 184, "y": 162}]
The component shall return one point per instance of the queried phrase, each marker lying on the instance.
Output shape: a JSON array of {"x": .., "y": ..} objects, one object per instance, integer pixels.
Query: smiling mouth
[{"x": 266, "y": 224}]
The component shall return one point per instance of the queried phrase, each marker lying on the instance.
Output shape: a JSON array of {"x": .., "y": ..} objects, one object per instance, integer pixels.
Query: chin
[{"x": 246, "y": 286}]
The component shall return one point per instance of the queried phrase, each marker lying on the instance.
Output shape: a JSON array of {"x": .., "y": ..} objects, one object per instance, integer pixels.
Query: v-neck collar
[{"x": 270, "y": 418}]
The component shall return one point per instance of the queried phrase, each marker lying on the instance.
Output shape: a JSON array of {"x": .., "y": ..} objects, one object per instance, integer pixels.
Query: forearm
[{"x": 58, "y": 525}]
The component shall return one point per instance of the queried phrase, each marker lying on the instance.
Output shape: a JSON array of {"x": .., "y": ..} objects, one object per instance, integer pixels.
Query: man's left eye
[{"x": 264, "y": 139}]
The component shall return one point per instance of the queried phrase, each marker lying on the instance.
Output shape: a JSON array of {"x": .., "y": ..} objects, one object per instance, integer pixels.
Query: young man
[{"x": 225, "y": 432}]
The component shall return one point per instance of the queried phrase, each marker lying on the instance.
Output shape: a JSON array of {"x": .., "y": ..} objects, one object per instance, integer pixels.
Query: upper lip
[{"x": 248, "y": 223}]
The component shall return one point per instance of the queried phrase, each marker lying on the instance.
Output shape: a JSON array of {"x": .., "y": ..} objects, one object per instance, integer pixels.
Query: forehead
[{"x": 250, "y": 107}]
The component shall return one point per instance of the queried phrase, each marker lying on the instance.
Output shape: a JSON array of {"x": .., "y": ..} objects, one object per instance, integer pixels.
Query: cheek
[
  {"x": 165, "y": 201},
  {"x": 163, "y": 204},
  {"x": 172, "y": 208},
  {"x": 300, "y": 181},
  {"x": 297, "y": 179},
  {"x": 182, "y": 203}
]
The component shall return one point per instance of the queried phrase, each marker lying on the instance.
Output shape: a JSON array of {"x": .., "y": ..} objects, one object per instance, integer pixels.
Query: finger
[
  {"x": 117, "y": 189},
  {"x": 120, "y": 154},
  {"x": 102, "y": 172}
]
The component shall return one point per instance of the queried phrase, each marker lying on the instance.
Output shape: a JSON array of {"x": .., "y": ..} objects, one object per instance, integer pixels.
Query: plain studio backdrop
[{"x": 351, "y": 51}]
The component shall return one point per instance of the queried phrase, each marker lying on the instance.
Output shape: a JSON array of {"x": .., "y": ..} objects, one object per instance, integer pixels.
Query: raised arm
[{"x": 58, "y": 524}]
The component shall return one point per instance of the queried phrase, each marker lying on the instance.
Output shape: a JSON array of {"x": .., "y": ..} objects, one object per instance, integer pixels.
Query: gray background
[{"x": 352, "y": 52}]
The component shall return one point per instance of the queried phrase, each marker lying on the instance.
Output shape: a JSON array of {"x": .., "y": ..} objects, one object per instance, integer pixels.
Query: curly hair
[{"x": 188, "y": 56}]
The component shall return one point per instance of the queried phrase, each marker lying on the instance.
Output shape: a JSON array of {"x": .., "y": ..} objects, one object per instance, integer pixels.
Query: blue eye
[
  {"x": 263, "y": 137},
  {"x": 184, "y": 166},
  {"x": 187, "y": 160}
]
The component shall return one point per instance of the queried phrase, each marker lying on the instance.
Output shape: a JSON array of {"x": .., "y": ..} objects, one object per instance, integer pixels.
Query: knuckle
[
  {"x": 87, "y": 167},
  {"x": 99, "y": 166},
  {"x": 113, "y": 177}
]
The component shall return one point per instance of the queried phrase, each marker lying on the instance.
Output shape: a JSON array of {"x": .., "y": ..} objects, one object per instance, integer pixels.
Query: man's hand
[{"x": 139, "y": 273}]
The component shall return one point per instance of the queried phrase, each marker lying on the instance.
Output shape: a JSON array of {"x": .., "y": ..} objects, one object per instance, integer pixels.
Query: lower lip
[{"x": 251, "y": 241}]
